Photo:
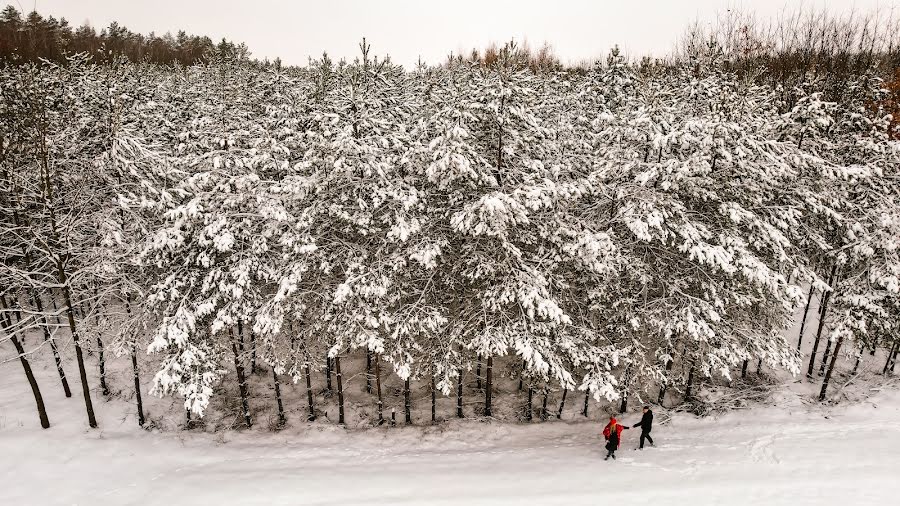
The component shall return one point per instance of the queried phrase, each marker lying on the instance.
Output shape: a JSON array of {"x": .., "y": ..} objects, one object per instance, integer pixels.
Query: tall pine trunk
[
  {"x": 690, "y": 383},
  {"x": 406, "y": 402},
  {"x": 23, "y": 359},
  {"x": 101, "y": 361},
  {"x": 340, "y": 389},
  {"x": 487, "y": 386},
  {"x": 48, "y": 337},
  {"x": 805, "y": 313},
  {"x": 587, "y": 397},
  {"x": 309, "y": 394},
  {"x": 744, "y": 368},
  {"x": 834, "y": 357},
  {"x": 379, "y": 403},
  {"x": 562, "y": 403},
  {"x": 459, "y": 394},
  {"x": 478, "y": 373},
  {"x": 821, "y": 326},
  {"x": 433, "y": 401},
  {"x": 135, "y": 372},
  {"x": 242, "y": 382},
  {"x": 825, "y": 357},
  {"x": 544, "y": 406},
  {"x": 281, "y": 418},
  {"x": 79, "y": 356},
  {"x": 528, "y": 407}
]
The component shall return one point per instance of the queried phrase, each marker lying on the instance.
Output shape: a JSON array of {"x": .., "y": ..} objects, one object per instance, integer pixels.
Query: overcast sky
[{"x": 408, "y": 29}]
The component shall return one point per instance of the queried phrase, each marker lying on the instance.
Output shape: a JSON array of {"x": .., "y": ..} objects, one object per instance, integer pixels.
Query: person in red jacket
[{"x": 613, "y": 434}]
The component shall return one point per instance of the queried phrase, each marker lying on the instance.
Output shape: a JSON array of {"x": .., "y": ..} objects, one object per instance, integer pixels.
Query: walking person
[
  {"x": 613, "y": 434},
  {"x": 645, "y": 424}
]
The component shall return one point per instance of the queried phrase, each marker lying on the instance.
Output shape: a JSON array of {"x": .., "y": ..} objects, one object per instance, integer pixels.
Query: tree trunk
[
  {"x": 562, "y": 404},
  {"x": 309, "y": 394},
  {"x": 812, "y": 358},
  {"x": 528, "y": 407},
  {"x": 662, "y": 389},
  {"x": 29, "y": 374},
  {"x": 79, "y": 357},
  {"x": 744, "y": 368},
  {"x": 340, "y": 389},
  {"x": 825, "y": 357},
  {"x": 134, "y": 369},
  {"x": 544, "y": 407},
  {"x": 487, "y": 386},
  {"x": 242, "y": 382},
  {"x": 805, "y": 313},
  {"x": 587, "y": 396},
  {"x": 406, "y": 403},
  {"x": 834, "y": 357},
  {"x": 379, "y": 403},
  {"x": 100, "y": 357},
  {"x": 459, "y": 394},
  {"x": 281, "y": 418},
  {"x": 433, "y": 401},
  {"x": 690, "y": 381},
  {"x": 252, "y": 352},
  {"x": 887, "y": 363},
  {"x": 48, "y": 337}
]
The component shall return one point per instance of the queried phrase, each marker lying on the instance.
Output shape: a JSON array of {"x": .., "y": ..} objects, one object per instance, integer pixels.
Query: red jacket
[{"x": 619, "y": 429}]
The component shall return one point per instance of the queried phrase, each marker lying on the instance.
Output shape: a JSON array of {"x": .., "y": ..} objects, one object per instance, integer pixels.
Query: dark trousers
[{"x": 645, "y": 435}]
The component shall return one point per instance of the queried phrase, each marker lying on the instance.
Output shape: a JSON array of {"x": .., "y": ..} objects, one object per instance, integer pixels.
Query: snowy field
[{"x": 794, "y": 453}]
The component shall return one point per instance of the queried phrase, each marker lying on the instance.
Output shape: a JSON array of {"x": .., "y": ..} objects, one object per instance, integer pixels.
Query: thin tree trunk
[
  {"x": 309, "y": 394},
  {"x": 562, "y": 404},
  {"x": 459, "y": 394},
  {"x": 433, "y": 401},
  {"x": 805, "y": 313},
  {"x": 55, "y": 307},
  {"x": 825, "y": 358},
  {"x": 744, "y": 368},
  {"x": 29, "y": 374},
  {"x": 834, "y": 357},
  {"x": 587, "y": 396},
  {"x": 379, "y": 403},
  {"x": 48, "y": 337},
  {"x": 100, "y": 357},
  {"x": 79, "y": 356},
  {"x": 812, "y": 358},
  {"x": 544, "y": 407},
  {"x": 528, "y": 407},
  {"x": 135, "y": 372},
  {"x": 281, "y": 418},
  {"x": 890, "y": 354},
  {"x": 242, "y": 382},
  {"x": 340, "y": 389},
  {"x": 252, "y": 352},
  {"x": 406, "y": 402},
  {"x": 487, "y": 386}
]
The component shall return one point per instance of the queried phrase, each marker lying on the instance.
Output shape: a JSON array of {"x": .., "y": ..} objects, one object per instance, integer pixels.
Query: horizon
[{"x": 637, "y": 29}]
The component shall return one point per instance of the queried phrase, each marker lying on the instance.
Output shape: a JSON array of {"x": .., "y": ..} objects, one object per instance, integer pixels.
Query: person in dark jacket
[
  {"x": 645, "y": 424},
  {"x": 613, "y": 434}
]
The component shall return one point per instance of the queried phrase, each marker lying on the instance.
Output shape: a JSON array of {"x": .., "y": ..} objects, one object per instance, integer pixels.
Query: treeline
[
  {"x": 623, "y": 232},
  {"x": 33, "y": 37}
]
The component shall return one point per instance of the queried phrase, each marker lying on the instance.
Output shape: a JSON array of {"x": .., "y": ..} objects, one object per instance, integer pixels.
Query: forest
[{"x": 628, "y": 230}]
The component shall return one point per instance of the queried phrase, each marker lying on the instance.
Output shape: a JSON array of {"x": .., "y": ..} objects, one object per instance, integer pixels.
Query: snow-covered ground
[{"x": 794, "y": 453}]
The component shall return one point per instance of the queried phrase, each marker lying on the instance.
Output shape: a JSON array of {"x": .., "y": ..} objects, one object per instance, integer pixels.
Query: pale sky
[{"x": 408, "y": 29}]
